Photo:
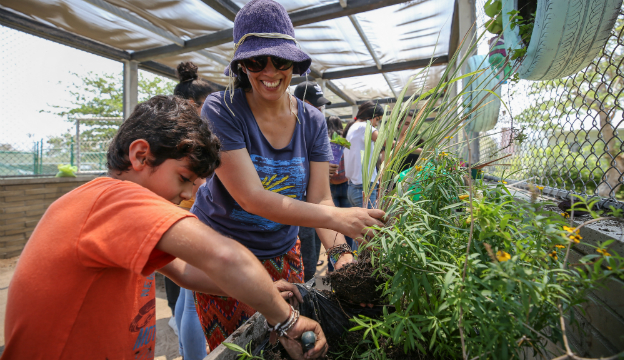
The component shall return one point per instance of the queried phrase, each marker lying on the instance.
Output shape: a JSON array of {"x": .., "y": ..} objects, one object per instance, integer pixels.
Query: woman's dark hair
[
  {"x": 334, "y": 125},
  {"x": 241, "y": 81},
  {"x": 346, "y": 128},
  {"x": 369, "y": 110},
  {"x": 191, "y": 86},
  {"x": 173, "y": 130}
]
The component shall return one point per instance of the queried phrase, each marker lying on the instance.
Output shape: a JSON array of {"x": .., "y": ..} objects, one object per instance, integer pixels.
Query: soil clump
[{"x": 356, "y": 283}]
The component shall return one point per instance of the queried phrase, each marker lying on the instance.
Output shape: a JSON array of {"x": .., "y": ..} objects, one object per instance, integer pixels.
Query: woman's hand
[
  {"x": 289, "y": 292},
  {"x": 353, "y": 222},
  {"x": 333, "y": 168},
  {"x": 292, "y": 343}
]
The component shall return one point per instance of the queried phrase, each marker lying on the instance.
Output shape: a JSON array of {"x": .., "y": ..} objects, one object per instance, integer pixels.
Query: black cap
[{"x": 313, "y": 93}]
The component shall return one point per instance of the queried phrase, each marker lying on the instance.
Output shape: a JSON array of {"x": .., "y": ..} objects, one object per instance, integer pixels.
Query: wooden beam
[
  {"x": 22, "y": 23},
  {"x": 298, "y": 18},
  {"x": 370, "y": 70},
  {"x": 224, "y": 7}
]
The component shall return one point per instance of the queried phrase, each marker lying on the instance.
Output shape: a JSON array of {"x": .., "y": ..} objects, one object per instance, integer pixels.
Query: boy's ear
[{"x": 139, "y": 154}]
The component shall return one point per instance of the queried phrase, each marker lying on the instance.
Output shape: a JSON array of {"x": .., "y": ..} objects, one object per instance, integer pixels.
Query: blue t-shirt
[{"x": 285, "y": 171}]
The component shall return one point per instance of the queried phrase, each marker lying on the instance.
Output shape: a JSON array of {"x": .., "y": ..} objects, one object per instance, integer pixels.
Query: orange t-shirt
[{"x": 84, "y": 285}]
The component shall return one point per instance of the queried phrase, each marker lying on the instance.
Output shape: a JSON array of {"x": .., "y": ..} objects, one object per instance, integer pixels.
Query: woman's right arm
[{"x": 239, "y": 176}]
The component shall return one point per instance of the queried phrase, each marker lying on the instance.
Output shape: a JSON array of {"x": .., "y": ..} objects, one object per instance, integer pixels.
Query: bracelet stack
[
  {"x": 280, "y": 329},
  {"x": 335, "y": 252}
]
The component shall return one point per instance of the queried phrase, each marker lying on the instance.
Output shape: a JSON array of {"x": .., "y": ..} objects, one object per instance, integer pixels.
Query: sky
[{"x": 34, "y": 75}]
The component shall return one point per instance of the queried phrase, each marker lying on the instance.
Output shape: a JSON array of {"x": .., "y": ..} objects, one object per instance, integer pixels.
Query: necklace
[{"x": 290, "y": 101}]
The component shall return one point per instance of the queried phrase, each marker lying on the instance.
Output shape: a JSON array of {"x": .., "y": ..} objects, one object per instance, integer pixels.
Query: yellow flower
[
  {"x": 464, "y": 197},
  {"x": 504, "y": 182},
  {"x": 603, "y": 252},
  {"x": 609, "y": 267},
  {"x": 553, "y": 254},
  {"x": 560, "y": 246},
  {"x": 575, "y": 238},
  {"x": 417, "y": 168},
  {"x": 565, "y": 215},
  {"x": 540, "y": 187},
  {"x": 443, "y": 153},
  {"x": 502, "y": 256},
  {"x": 448, "y": 137},
  {"x": 569, "y": 229}
]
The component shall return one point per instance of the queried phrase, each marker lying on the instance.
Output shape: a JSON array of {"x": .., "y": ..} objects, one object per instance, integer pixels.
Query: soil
[{"x": 355, "y": 283}]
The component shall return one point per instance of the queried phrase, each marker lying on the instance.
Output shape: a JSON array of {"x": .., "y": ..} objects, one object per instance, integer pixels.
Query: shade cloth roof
[{"x": 398, "y": 32}]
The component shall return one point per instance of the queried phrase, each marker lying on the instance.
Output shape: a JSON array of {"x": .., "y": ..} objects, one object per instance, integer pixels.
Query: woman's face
[
  {"x": 375, "y": 121},
  {"x": 406, "y": 125},
  {"x": 270, "y": 84}
]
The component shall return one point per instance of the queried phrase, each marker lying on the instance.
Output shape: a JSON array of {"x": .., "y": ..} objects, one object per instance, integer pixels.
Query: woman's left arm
[{"x": 318, "y": 192}]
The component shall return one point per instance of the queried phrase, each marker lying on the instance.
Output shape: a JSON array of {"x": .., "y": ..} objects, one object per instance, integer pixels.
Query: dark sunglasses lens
[
  {"x": 255, "y": 64},
  {"x": 281, "y": 64}
]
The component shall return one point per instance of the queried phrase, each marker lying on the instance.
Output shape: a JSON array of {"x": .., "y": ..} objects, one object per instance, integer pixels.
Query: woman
[
  {"x": 192, "y": 344},
  {"x": 355, "y": 133},
  {"x": 275, "y": 149},
  {"x": 411, "y": 158}
]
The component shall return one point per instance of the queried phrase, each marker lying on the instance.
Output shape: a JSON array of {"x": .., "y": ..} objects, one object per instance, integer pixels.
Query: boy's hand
[
  {"x": 289, "y": 292},
  {"x": 292, "y": 340},
  {"x": 333, "y": 169}
]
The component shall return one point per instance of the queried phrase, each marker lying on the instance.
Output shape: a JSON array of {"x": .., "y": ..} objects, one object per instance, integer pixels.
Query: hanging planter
[
  {"x": 564, "y": 37},
  {"x": 486, "y": 117}
]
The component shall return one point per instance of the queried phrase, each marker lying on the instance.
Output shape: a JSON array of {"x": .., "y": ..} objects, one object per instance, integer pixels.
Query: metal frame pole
[
  {"x": 78, "y": 145},
  {"x": 130, "y": 87}
]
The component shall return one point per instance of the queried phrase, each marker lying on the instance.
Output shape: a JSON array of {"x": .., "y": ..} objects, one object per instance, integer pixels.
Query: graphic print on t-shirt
[
  {"x": 143, "y": 324},
  {"x": 285, "y": 177}
]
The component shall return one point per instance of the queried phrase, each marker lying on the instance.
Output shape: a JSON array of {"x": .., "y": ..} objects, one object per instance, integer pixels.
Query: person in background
[
  {"x": 311, "y": 93},
  {"x": 410, "y": 160},
  {"x": 191, "y": 340},
  {"x": 338, "y": 181},
  {"x": 275, "y": 150},
  {"x": 354, "y": 133}
]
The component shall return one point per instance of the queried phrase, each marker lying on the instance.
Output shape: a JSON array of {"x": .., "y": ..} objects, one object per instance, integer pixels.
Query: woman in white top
[{"x": 354, "y": 133}]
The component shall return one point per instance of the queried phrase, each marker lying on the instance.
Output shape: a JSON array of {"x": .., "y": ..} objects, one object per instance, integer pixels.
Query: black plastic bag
[{"x": 331, "y": 315}]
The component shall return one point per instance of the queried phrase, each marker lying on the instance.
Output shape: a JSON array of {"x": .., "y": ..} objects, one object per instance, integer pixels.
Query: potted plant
[{"x": 554, "y": 38}]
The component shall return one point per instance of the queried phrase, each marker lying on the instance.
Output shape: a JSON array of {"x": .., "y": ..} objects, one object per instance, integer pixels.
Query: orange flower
[
  {"x": 560, "y": 246},
  {"x": 553, "y": 254},
  {"x": 603, "y": 252},
  {"x": 464, "y": 197},
  {"x": 539, "y": 187}
]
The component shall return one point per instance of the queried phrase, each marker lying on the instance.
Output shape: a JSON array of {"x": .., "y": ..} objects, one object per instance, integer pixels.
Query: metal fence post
[{"x": 78, "y": 145}]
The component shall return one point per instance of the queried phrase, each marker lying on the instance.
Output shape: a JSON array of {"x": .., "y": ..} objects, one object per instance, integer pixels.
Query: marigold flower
[
  {"x": 417, "y": 168},
  {"x": 575, "y": 238},
  {"x": 609, "y": 267},
  {"x": 443, "y": 153},
  {"x": 553, "y": 254},
  {"x": 603, "y": 252},
  {"x": 464, "y": 197},
  {"x": 569, "y": 229},
  {"x": 504, "y": 182},
  {"x": 502, "y": 256},
  {"x": 560, "y": 246},
  {"x": 565, "y": 215}
]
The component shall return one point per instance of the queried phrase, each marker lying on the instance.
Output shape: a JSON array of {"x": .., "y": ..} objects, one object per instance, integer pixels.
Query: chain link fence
[{"x": 566, "y": 134}]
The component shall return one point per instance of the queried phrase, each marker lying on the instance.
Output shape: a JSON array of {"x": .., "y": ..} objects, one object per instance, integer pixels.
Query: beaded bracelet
[
  {"x": 335, "y": 252},
  {"x": 280, "y": 329}
]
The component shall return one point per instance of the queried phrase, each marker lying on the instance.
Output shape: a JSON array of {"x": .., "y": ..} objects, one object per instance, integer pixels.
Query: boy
[{"x": 84, "y": 285}]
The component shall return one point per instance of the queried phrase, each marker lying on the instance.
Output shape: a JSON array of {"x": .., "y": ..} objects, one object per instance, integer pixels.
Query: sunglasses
[{"x": 258, "y": 63}]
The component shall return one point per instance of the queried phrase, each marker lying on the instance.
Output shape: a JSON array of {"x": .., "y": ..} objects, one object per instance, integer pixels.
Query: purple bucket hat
[{"x": 266, "y": 16}]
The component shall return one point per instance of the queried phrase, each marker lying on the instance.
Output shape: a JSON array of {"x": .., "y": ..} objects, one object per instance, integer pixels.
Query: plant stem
[{"x": 461, "y": 312}]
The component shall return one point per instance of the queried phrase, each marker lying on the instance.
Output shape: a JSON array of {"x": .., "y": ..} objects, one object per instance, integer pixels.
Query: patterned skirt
[{"x": 221, "y": 315}]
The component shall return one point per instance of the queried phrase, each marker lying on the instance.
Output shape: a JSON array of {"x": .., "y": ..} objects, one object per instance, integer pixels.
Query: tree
[{"x": 99, "y": 96}]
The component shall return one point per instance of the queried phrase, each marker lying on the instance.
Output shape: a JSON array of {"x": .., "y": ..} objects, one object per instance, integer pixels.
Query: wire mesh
[{"x": 567, "y": 133}]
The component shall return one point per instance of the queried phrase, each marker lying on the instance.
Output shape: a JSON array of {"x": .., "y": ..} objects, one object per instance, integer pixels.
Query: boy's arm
[
  {"x": 230, "y": 266},
  {"x": 190, "y": 277}
]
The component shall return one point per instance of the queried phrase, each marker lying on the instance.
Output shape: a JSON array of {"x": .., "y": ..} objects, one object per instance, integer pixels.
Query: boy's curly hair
[{"x": 173, "y": 130}]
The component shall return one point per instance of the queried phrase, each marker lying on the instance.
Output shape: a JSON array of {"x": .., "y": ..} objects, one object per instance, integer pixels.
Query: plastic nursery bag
[
  {"x": 66, "y": 171},
  {"x": 331, "y": 315}
]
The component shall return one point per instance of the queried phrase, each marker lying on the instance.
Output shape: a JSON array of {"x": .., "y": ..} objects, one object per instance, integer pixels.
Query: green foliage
[
  {"x": 337, "y": 139},
  {"x": 244, "y": 354},
  {"x": 516, "y": 274},
  {"x": 492, "y": 9},
  {"x": 101, "y": 95}
]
